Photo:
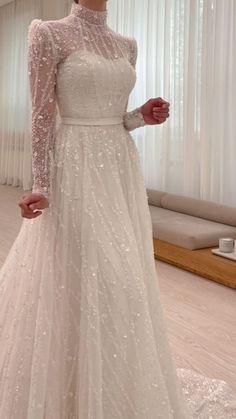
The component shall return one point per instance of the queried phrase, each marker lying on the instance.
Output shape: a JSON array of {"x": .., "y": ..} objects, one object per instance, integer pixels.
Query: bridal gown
[{"x": 82, "y": 332}]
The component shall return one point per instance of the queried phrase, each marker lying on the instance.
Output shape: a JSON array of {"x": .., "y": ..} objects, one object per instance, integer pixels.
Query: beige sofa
[{"x": 190, "y": 225}]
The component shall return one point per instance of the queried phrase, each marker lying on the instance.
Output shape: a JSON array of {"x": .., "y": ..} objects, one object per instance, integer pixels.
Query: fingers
[
  {"x": 32, "y": 202},
  {"x": 30, "y": 217},
  {"x": 30, "y": 198},
  {"x": 25, "y": 207},
  {"x": 160, "y": 120},
  {"x": 30, "y": 214},
  {"x": 161, "y": 116},
  {"x": 163, "y": 108},
  {"x": 28, "y": 210},
  {"x": 161, "y": 113},
  {"x": 37, "y": 205},
  {"x": 158, "y": 102}
]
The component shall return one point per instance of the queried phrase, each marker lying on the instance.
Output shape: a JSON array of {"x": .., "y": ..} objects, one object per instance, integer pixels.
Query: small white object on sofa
[{"x": 188, "y": 222}]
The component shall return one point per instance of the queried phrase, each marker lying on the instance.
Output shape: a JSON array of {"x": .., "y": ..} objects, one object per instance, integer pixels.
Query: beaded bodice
[{"x": 80, "y": 67}]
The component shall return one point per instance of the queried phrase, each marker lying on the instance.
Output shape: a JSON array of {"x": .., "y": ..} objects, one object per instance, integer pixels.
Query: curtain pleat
[
  {"x": 187, "y": 55},
  {"x": 15, "y": 136}
]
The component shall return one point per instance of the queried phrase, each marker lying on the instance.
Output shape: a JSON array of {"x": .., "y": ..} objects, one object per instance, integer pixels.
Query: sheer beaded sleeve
[
  {"x": 42, "y": 67},
  {"x": 133, "y": 119}
]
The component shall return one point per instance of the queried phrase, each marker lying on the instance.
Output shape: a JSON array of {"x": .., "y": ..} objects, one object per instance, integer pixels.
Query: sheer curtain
[
  {"x": 15, "y": 146},
  {"x": 187, "y": 55}
]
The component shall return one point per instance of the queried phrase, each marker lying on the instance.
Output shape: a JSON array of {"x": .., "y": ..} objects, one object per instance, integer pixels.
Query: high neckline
[{"x": 94, "y": 17}]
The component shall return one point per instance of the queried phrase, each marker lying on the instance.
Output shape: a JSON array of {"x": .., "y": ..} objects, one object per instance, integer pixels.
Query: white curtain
[
  {"x": 187, "y": 55},
  {"x": 15, "y": 145}
]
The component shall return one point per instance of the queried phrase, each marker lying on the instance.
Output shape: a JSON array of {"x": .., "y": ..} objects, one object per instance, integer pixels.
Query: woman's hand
[
  {"x": 155, "y": 111},
  {"x": 33, "y": 201}
]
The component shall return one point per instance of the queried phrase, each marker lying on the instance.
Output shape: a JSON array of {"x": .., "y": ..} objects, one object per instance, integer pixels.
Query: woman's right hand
[{"x": 33, "y": 201}]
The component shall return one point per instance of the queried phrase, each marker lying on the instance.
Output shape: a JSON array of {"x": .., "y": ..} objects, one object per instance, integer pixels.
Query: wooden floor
[
  {"x": 201, "y": 321},
  {"x": 200, "y": 314}
]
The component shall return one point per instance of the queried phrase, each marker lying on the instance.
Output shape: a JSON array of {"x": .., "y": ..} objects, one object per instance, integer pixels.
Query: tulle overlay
[
  {"x": 87, "y": 338},
  {"x": 81, "y": 318},
  {"x": 208, "y": 398},
  {"x": 82, "y": 332}
]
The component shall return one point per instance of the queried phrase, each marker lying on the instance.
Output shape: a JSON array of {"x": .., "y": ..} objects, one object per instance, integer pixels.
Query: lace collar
[{"x": 93, "y": 17}]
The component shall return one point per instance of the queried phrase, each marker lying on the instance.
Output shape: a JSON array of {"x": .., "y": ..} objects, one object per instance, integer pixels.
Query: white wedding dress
[{"x": 82, "y": 332}]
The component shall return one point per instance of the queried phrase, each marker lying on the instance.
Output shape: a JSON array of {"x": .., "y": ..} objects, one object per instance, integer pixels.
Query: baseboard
[{"x": 201, "y": 262}]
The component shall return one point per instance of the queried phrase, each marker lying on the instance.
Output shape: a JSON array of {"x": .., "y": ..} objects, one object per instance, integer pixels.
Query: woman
[{"x": 82, "y": 328}]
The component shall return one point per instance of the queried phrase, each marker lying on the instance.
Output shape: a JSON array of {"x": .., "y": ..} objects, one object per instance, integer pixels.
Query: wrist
[
  {"x": 41, "y": 190},
  {"x": 138, "y": 117},
  {"x": 140, "y": 114},
  {"x": 134, "y": 119}
]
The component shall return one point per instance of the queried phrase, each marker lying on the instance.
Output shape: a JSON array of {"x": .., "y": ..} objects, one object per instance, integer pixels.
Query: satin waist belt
[{"x": 92, "y": 121}]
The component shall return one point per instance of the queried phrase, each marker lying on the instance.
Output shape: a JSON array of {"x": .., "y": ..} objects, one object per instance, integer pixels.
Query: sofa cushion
[
  {"x": 154, "y": 197},
  {"x": 200, "y": 208},
  {"x": 187, "y": 231}
]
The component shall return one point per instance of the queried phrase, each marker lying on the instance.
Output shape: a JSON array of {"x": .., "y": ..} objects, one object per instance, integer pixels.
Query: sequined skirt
[{"x": 82, "y": 329}]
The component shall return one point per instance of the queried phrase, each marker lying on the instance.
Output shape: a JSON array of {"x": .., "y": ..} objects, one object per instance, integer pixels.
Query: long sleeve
[
  {"x": 42, "y": 68},
  {"x": 133, "y": 119}
]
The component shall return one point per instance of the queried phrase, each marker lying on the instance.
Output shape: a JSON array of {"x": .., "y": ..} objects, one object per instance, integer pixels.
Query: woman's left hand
[{"x": 155, "y": 111}]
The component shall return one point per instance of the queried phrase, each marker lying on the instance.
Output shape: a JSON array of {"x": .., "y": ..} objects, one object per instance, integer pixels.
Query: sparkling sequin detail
[
  {"x": 208, "y": 398},
  {"x": 54, "y": 44},
  {"x": 82, "y": 332}
]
